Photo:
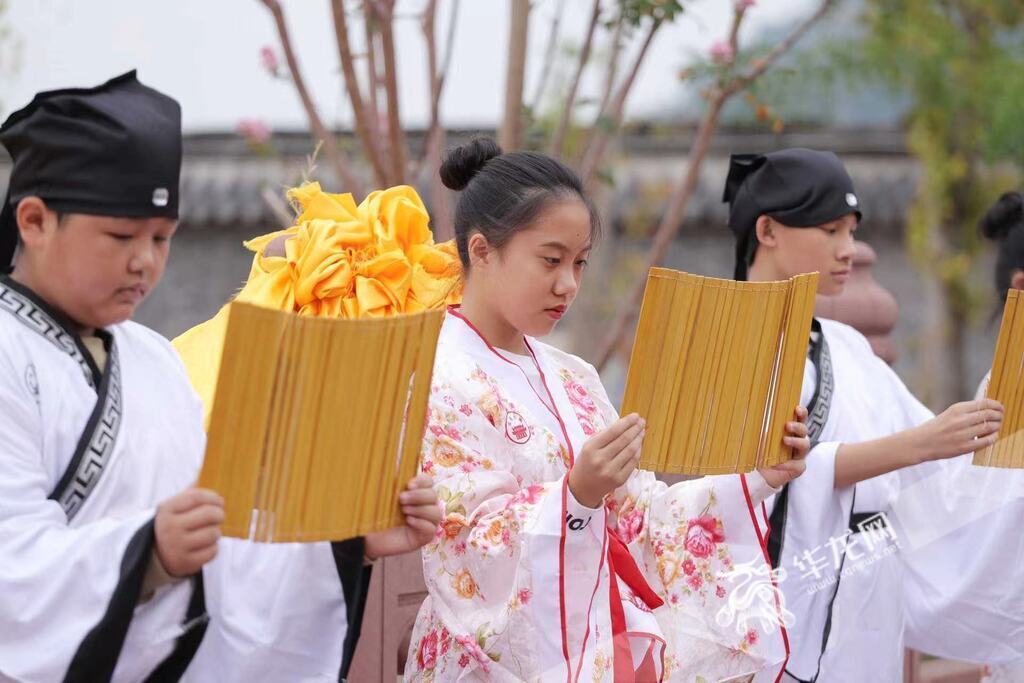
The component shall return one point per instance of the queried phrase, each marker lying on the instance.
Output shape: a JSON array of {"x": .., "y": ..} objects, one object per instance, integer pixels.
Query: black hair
[
  {"x": 1004, "y": 224},
  {"x": 504, "y": 193}
]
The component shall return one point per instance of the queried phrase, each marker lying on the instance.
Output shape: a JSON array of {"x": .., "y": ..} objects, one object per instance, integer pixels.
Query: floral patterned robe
[{"x": 500, "y": 609}]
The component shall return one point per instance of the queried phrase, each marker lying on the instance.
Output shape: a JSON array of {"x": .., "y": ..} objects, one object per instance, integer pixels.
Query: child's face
[
  {"x": 99, "y": 268},
  {"x": 827, "y": 249},
  {"x": 535, "y": 278}
]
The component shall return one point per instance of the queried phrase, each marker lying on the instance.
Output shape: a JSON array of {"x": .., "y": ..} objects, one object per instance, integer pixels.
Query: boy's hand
[
  {"x": 422, "y": 516},
  {"x": 187, "y": 529}
]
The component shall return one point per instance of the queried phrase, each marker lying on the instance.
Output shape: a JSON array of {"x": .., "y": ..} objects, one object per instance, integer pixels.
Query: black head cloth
[
  {"x": 112, "y": 150},
  {"x": 799, "y": 188}
]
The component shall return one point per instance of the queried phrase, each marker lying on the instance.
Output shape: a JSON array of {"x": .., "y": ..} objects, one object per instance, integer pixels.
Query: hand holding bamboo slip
[
  {"x": 317, "y": 422},
  {"x": 716, "y": 370}
]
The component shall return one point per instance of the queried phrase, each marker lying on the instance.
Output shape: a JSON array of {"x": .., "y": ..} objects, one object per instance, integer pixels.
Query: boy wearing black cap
[
  {"x": 845, "y": 532},
  {"x": 102, "y": 537}
]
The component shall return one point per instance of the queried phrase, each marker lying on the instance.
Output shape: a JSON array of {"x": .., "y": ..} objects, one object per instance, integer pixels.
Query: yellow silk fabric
[{"x": 341, "y": 260}]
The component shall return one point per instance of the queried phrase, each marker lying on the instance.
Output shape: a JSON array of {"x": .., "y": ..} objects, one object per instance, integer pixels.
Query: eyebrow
[{"x": 563, "y": 247}]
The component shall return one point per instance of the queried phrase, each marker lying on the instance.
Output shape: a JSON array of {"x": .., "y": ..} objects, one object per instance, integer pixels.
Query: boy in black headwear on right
[{"x": 884, "y": 494}]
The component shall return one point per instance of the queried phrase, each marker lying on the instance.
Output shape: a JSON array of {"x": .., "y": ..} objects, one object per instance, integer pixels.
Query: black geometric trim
[
  {"x": 96, "y": 445},
  {"x": 820, "y": 406},
  {"x": 31, "y": 311},
  {"x": 821, "y": 402}
]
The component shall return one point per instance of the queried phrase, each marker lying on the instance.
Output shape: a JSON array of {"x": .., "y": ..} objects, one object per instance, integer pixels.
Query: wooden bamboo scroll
[
  {"x": 716, "y": 370},
  {"x": 1006, "y": 385},
  {"x": 317, "y": 423}
]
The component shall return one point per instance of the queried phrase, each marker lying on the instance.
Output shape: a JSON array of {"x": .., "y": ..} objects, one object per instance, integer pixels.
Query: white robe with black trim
[
  {"x": 70, "y": 588},
  {"x": 901, "y": 586}
]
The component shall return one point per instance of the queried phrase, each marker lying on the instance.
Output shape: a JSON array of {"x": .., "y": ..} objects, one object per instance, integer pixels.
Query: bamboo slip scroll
[
  {"x": 317, "y": 423},
  {"x": 1006, "y": 385},
  {"x": 716, "y": 370}
]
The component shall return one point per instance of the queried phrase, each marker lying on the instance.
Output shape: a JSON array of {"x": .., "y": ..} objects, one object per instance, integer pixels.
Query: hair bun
[
  {"x": 1007, "y": 212},
  {"x": 462, "y": 163}
]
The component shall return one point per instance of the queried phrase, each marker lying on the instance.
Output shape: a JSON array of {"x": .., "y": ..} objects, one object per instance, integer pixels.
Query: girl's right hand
[
  {"x": 606, "y": 460},
  {"x": 961, "y": 428}
]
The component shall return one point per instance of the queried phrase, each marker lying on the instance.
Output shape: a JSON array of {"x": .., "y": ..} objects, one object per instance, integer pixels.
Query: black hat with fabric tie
[
  {"x": 112, "y": 150},
  {"x": 799, "y": 188}
]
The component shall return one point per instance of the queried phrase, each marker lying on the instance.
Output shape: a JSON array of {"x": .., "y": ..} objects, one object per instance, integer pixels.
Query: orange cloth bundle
[{"x": 321, "y": 368}]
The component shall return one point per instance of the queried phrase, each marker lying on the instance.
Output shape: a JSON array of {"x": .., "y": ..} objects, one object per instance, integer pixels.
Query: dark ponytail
[
  {"x": 504, "y": 193},
  {"x": 1004, "y": 224}
]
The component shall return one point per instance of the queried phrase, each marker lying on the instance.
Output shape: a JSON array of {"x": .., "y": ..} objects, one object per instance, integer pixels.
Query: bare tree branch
[
  {"x": 364, "y": 125},
  {"x": 611, "y": 74},
  {"x": 440, "y": 211},
  {"x": 384, "y": 10},
  {"x": 326, "y": 137},
  {"x": 602, "y": 131},
  {"x": 672, "y": 219},
  {"x": 558, "y": 139},
  {"x": 511, "y": 135},
  {"x": 373, "y": 80},
  {"x": 549, "y": 57},
  {"x": 762, "y": 65},
  {"x": 272, "y": 200}
]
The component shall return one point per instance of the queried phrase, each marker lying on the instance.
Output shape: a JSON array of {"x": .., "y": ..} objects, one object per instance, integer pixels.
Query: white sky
[{"x": 206, "y": 54}]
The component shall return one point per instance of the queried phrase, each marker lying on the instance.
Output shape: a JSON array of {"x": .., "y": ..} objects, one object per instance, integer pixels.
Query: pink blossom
[
  {"x": 465, "y": 409},
  {"x": 631, "y": 525},
  {"x": 721, "y": 51},
  {"x": 702, "y": 535},
  {"x": 464, "y": 661},
  {"x": 268, "y": 60},
  {"x": 579, "y": 396},
  {"x": 695, "y": 581},
  {"x": 689, "y": 567},
  {"x": 525, "y": 595},
  {"x": 529, "y": 495},
  {"x": 254, "y": 131},
  {"x": 459, "y": 548},
  {"x": 744, "y": 4},
  {"x": 752, "y": 637},
  {"x": 720, "y": 592},
  {"x": 426, "y": 656}
]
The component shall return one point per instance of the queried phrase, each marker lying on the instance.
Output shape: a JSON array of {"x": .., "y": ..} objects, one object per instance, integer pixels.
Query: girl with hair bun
[
  {"x": 557, "y": 559},
  {"x": 1004, "y": 224}
]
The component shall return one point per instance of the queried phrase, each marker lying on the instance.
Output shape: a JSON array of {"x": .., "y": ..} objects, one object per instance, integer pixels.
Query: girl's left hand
[{"x": 422, "y": 517}]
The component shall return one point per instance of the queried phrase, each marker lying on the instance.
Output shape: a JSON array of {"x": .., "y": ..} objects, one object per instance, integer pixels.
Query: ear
[
  {"x": 480, "y": 252},
  {"x": 1017, "y": 279},
  {"x": 34, "y": 220},
  {"x": 765, "y": 230}
]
